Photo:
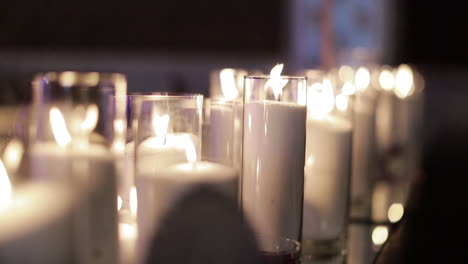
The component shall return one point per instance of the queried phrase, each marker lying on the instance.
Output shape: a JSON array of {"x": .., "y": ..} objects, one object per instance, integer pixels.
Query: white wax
[
  {"x": 273, "y": 169},
  {"x": 168, "y": 185},
  {"x": 91, "y": 170},
  {"x": 37, "y": 226},
  {"x": 364, "y": 160},
  {"x": 327, "y": 174}
]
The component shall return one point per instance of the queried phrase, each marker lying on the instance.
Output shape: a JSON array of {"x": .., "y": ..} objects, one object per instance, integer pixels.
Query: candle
[
  {"x": 164, "y": 187},
  {"x": 89, "y": 167},
  {"x": 327, "y": 168},
  {"x": 273, "y": 161},
  {"x": 35, "y": 223}
]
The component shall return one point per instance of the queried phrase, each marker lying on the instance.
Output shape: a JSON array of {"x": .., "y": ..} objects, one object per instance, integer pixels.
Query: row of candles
[{"x": 288, "y": 150}]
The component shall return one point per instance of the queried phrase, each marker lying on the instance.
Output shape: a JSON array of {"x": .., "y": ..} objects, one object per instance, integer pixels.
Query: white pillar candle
[
  {"x": 326, "y": 181},
  {"x": 91, "y": 169},
  {"x": 35, "y": 223},
  {"x": 127, "y": 241},
  {"x": 154, "y": 154},
  {"x": 159, "y": 190},
  {"x": 273, "y": 170}
]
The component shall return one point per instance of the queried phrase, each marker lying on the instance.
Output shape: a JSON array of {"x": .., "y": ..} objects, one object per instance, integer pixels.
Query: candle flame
[
  {"x": 13, "y": 154},
  {"x": 395, "y": 212},
  {"x": 362, "y": 78},
  {"x": 346, "y": 73},
  {"x": 133, "y": 200},
  {"x": 341, "y": 102},
  {"x": 321, "y": 99},
  {"x": 228, "y": 83},
  {"x": 379, "y": 235},
  {"x": 59, "y": 127},
  {"x": 160, "y": 124},
  {"x": 190, "y": 151},
  {"x": 119, "y": 202},
  {"x": 5, "y": 188},
  {"x": 275, "y": 81},
  {"x": 386, "y": 80},
  {"x": 127, "y": 231},
  {"x": 90, "y": 121},
  {"x": 404, "y": 81}
]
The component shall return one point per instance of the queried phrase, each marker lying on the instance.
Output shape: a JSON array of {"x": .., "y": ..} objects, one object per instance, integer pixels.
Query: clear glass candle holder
[
  {"x": 327, "y": 169},
  {"x": 77, "y": 136},
  {"x": 167, "y": 131},
  {"x": 273, "y": 149}
]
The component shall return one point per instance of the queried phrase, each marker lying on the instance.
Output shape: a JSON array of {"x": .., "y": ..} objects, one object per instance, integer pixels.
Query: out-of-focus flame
[
  {"x": 362, "y": 78},
  {"x": 91, "y": 118},
  {"x": 59, "y": 127},
  {"x": 5, "y": 188},
  {"x": 228, "y": 83},
  {"x": 348, "y": 88},
  {"x": 68, "y": 78},
  {"x": 119, "y": 202},
  {"x": 13, "y": 154},
  {"x": 386, "y": 80},
  {"x": 127, "y": 231},
  {"x": 133, "y": 201},
  {"x": 379, "y": 235},
  {"x": 341, "y": 102},
  {"x": 190, "y": 151},
  {"x": 160, "y": 124},
  {"x": 404, "y": 81},
  {"x": 395, "y": 212},
  {"x": 275, "y": 81},
  {"x": 321, "y": 99},
  {"x": 346, "y": 73}
]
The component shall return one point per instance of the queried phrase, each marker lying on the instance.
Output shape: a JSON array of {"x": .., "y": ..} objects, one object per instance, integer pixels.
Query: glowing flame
[
  {"x": 386, "y": 79},
  {"x": 346, "y": 73},
  {"x": 127, "y": 231},
  {"x": 362, "y": 78},
  {"x": 67, "y": 78},
  {"x": 275, "y": 81},
  {"x": 160, "y": 124},
  {"x": 119, "y": 202},
  {"x": 228, "y": 83},
  {"x": 321, "y": 99},
  {"x": 90, "y": 121},
  {"x": 13, "y": 154},
  {"x": 5, "y": 188},
  {"x": 404, "y": 81},
  {"x": 348, "y": 88},
  {"x": 190, "y": 151},
  {"x": 341, "y": 102},
  {"x": 379, "y": 235},
  {"x": 59, "y": 127},
  {"x": 395, "y": 212},
  {"x": 133, "y": 201}
]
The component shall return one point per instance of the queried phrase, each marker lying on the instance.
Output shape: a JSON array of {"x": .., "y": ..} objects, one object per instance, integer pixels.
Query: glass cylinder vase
[
  {"x": 273, "y": 157},
  {"x": 77, "y": 135}
]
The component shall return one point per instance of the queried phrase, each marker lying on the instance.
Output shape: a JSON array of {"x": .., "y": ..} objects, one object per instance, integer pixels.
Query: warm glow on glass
[
  {"x": 67, "y": 78},
  {"x": 119, "y": 126},
  {"x": 160, "y": 124},
  {"x": 13, "y": 154},
  {"x": 59, "y": 127},
  {"x": 386, "y": 80},
  {"x": 190, "y": 151},
  {"x": 228, "y": 83},
  {"x": 133, "y": 201},
  {"x": 395, "y": 212},
  {"x": 362, "y": 78},
  {"x": 127, "y": 231},
  {"x": 379, "y": 235},
  {"x": 90, "y": 121},
  {"x": 346, "y": 73},
  {"x": 275, "y": 81},
  {"x": 404, "y": 81},
  {"x": 5, "y": 188},
  {"x": 321, "y": 99}
]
